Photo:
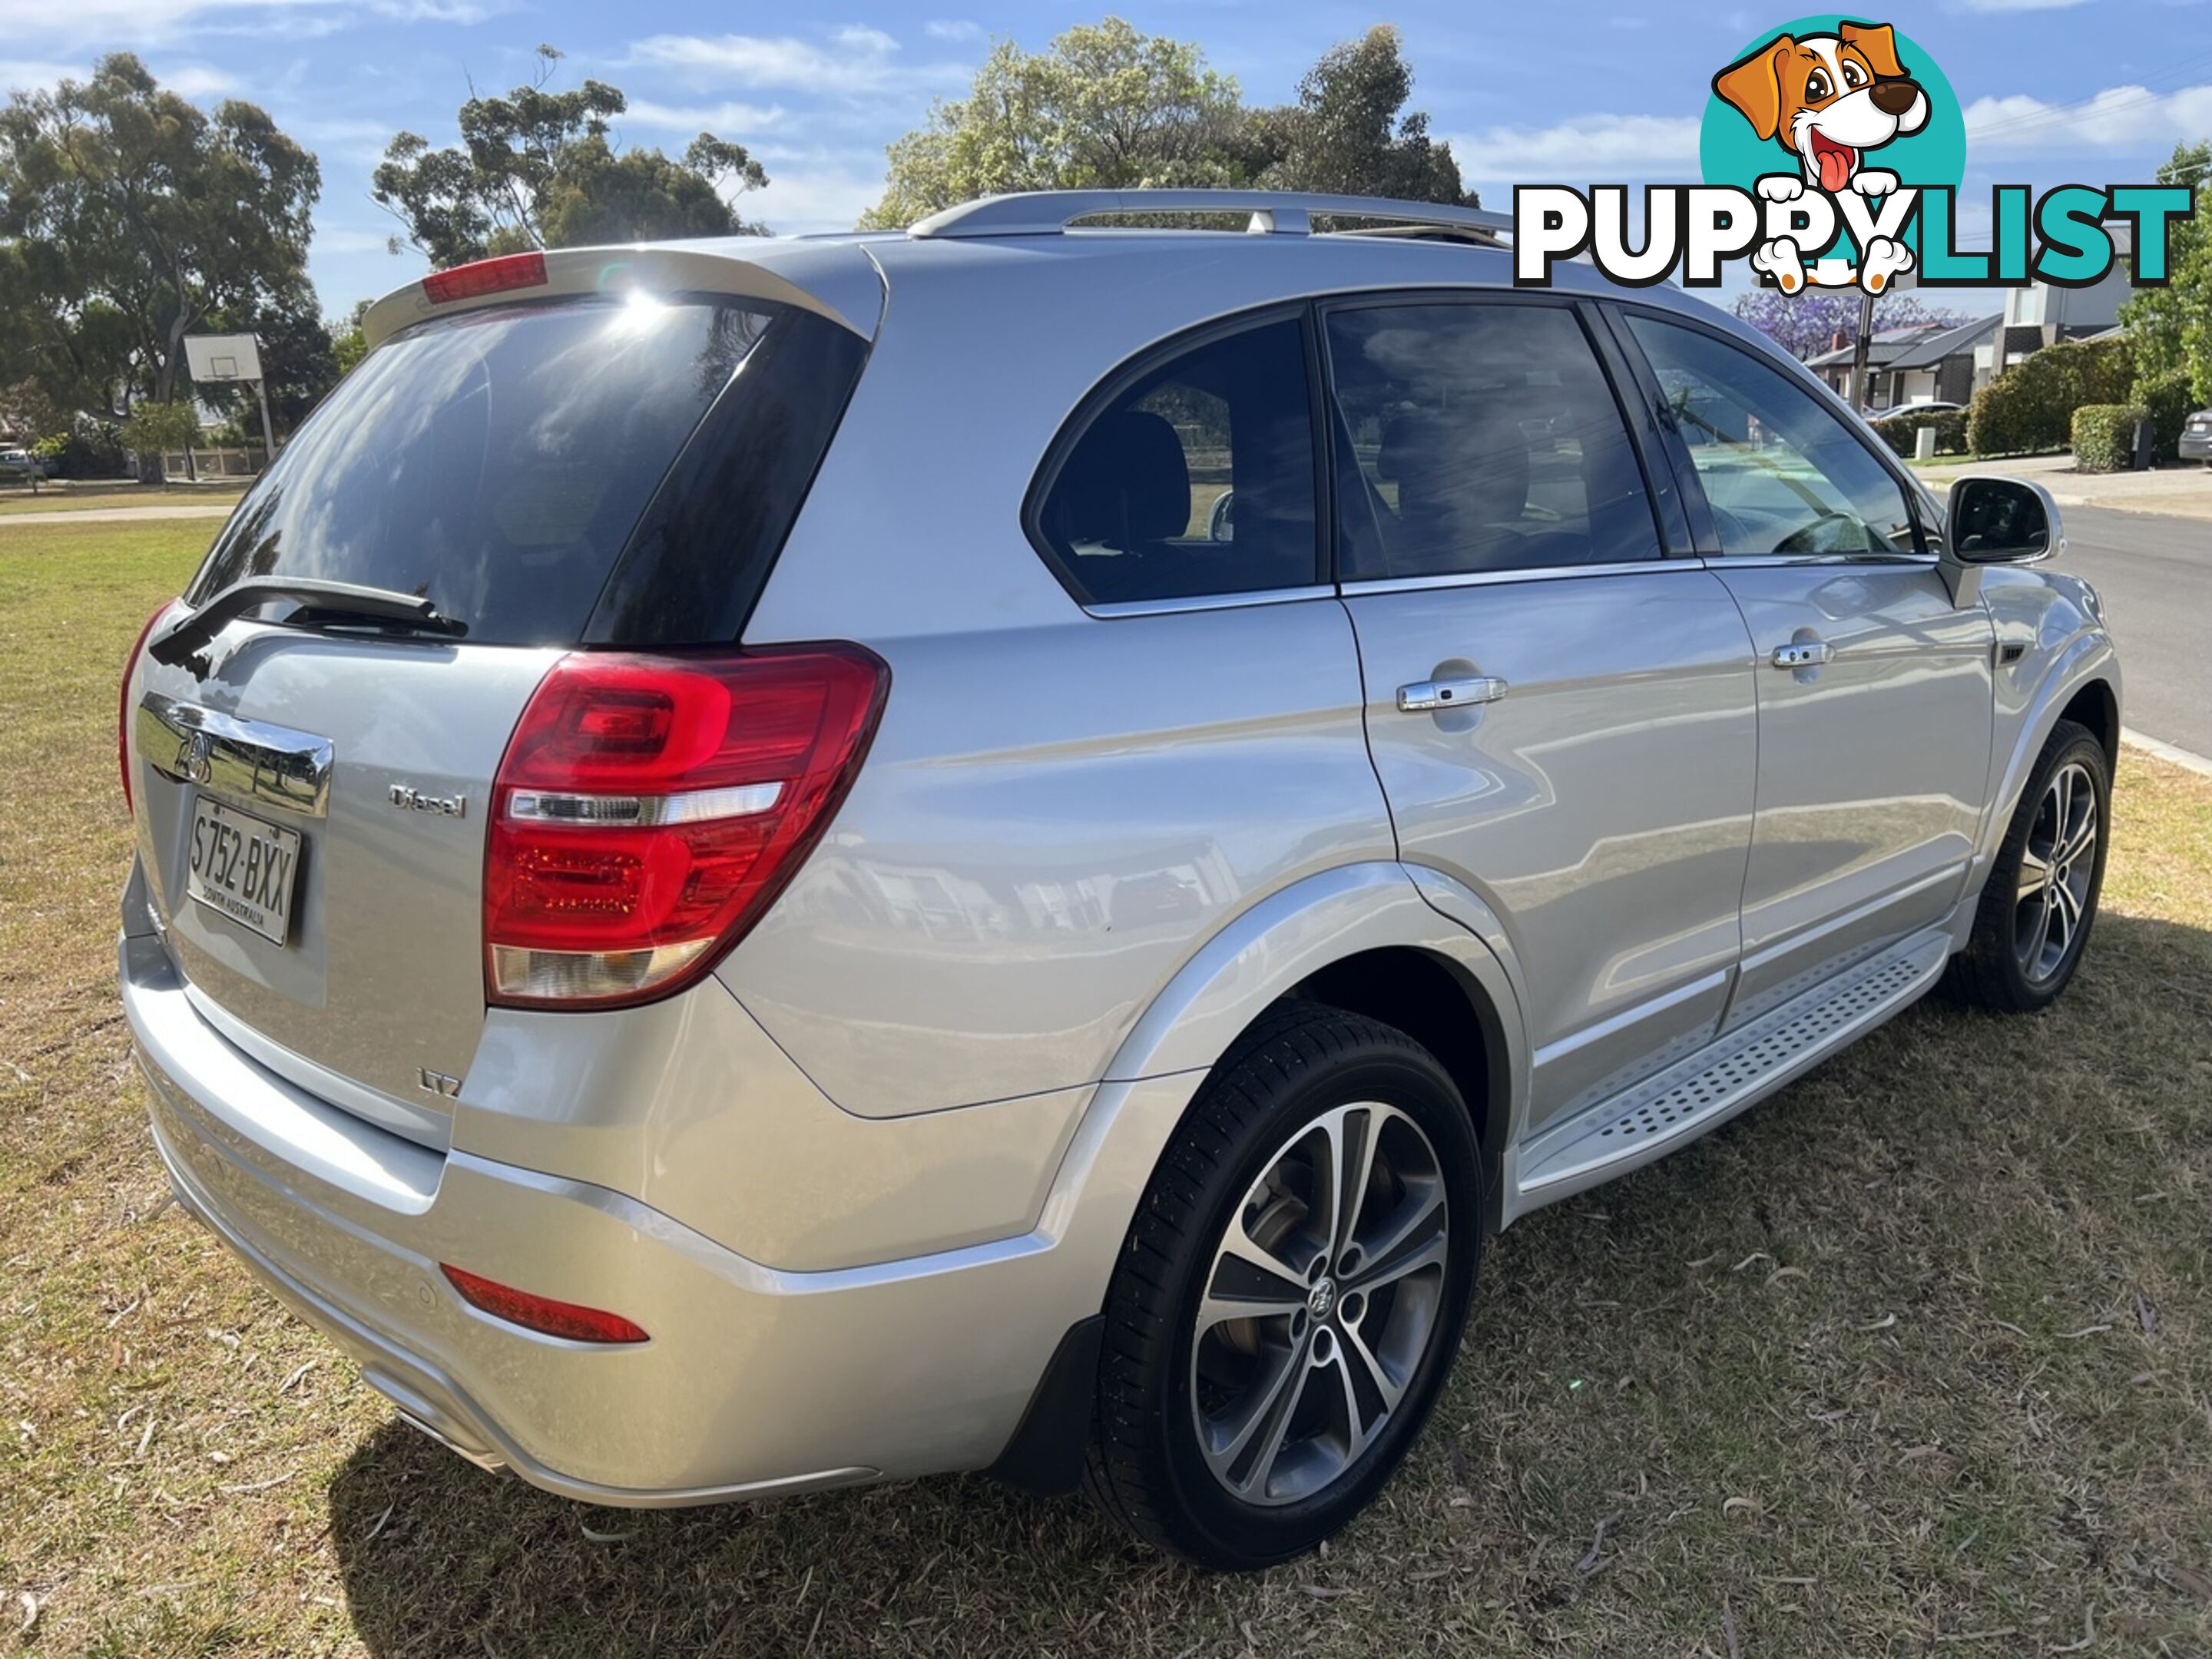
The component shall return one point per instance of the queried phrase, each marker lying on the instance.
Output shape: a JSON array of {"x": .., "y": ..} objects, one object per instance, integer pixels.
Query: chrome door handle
[
  {"x": 1806, "y": 654},
  {"x": 1424, "y": 696}
]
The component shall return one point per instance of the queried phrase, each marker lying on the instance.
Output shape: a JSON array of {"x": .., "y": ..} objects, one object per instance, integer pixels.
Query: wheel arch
[
  {"x": 1367, "y": 939},
  {"x": 2097, "y": 707},
  {"x": 2081, "y": 685},
  {"x": 1433, "y": 1000}
]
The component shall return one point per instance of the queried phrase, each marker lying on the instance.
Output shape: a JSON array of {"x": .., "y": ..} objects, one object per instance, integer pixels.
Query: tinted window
[
  {"x": 1196, "y": 479},
  {"x": 1484, "y": 437},
  {"x": 1781, "y": 473},
  {"x": 497, "y": 462}
]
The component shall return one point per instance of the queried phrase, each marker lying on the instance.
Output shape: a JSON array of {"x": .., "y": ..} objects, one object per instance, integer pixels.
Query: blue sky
[{"x": 1557, "y": 92}]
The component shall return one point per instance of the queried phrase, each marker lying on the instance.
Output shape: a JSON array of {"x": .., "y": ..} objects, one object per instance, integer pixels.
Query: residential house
[
  {"x": 1927, "y": 363},
  {"x": 2040, "y": 314}
]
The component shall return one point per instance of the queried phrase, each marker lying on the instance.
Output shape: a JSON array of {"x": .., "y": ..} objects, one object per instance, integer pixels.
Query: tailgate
[
  {"x": 336, "y": 789},
  {"x": 613, "y": 463}
]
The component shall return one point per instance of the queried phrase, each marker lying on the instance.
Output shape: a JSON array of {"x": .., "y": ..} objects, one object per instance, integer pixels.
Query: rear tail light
[
  {"x": 650, "y": 808},
  {"x": 472, "y": 282},
  {"x": 123, "y": 705},
  {"x": 541, "y": 1313}
]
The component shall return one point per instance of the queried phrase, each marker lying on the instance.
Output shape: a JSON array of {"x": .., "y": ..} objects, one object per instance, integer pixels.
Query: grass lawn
[
  {"x": 78, "y": 497},
  {"x": 1916, "y": 1357}
]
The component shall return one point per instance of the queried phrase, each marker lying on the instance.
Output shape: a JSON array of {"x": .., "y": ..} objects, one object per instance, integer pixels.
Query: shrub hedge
[
  {"x": 2169, "y": 399},
  {"x": 2105, "y": 436},
  {"x": 1950, "y": 426},
  {"x": 2030, "y": 405},
  {"x": 93, "y": 449}
]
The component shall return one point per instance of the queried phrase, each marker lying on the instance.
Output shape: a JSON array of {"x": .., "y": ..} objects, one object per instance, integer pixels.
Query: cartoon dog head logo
[
  {"x": 1828, "y": 99},
  {"x": 1827, "y": 96}
]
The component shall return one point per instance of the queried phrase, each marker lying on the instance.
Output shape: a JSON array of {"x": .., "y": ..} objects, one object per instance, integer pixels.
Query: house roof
[
  {"x": 1920, "y": 346},
  {"x": 1926, "y": 353}
]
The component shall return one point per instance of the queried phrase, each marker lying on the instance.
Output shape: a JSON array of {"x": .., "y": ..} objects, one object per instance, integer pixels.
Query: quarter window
[
  {"x": 1196, "y": 479},
  {"x": 1782, "y": 474},
  {"x": 1479, "y": 438}
]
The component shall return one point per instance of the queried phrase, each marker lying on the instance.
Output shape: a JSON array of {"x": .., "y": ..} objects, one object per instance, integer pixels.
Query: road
[{"x": 2154, "y": 574}]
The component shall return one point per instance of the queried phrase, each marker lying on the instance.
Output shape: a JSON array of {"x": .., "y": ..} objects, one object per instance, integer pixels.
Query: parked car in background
[
  {"x": 20, "y": 464},
  {"x": 728, "y": 933},
  {"x": 2197, "y": 436}
]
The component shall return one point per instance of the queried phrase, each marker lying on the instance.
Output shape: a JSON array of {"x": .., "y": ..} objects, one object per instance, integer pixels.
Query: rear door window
[
  {"x": 497, "y": 462},
  {"x": 1480, "y": 437},
  {"x": 1195, "y": 478}
]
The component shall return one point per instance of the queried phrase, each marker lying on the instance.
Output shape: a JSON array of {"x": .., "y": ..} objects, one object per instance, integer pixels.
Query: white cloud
[
  {"x": 27, "y": 76},
  {"x": 114, "y": 24},
  {"x": 823, "y": 198},
  {"x": 2116, "y": 118},
  {"x": 1587, "y": 149},
  {"x": 335, "y": 240},
  {"x": 856, "y": 61},
  {"x": 435, "y": 11},
  {"x": 953, "y": 28},
  {"x": 199, "y": 81},
  {"x": 725, "y": 119}
]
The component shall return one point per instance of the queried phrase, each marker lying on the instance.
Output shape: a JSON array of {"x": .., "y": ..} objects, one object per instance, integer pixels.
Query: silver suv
[{"x": 770, "y": 864}]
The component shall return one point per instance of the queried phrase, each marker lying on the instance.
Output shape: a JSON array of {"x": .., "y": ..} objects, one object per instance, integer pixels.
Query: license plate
[{"x": 244, "y": 867}]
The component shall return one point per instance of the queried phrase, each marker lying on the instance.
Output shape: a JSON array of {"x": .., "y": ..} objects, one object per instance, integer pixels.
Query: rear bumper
[
  {"x": 2197, "y": 445},
  {"x": 754, "y": 1382},
  {"x": 424, "y": 1395}
]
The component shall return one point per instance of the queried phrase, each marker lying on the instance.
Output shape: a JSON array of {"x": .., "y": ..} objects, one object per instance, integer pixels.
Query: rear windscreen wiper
[{"x": 322, "y": 601}]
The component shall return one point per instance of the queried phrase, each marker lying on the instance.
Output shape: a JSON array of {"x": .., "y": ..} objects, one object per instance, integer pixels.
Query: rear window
[
  {"x": 499, "y": 463},
  {"x": 1196, "y": 478}
]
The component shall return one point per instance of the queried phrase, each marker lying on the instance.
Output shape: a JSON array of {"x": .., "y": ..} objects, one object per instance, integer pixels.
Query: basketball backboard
[{"x": 222, "y": 357}]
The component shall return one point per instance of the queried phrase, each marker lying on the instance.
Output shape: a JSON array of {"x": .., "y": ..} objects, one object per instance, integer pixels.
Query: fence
[{"x": 212, "y": 463}]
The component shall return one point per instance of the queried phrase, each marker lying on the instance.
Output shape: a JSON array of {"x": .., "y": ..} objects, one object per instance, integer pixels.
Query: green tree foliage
[
  {"x": 1349, "y": 132},
  {"x": 536, "y": 169},
  {"x": 128, "y": 218},
  {"x": 348, "y": 344},
  {"x": 2171, "y": 399},
  {"x": 2170, "y": 328},
  {"x": 1102, "y": 107},
  {"x": 2030, "y": 405},
  {"x": 157, "y": 427},
  {"x": 1105, "y": 107}
]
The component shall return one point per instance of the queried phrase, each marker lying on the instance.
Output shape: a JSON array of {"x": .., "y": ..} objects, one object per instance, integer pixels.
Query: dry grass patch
[{"x": 1916, "y": 1357}]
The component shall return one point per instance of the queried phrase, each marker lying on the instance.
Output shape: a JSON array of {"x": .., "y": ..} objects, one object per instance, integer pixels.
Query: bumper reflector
[{"x": 541, "y": 1313}]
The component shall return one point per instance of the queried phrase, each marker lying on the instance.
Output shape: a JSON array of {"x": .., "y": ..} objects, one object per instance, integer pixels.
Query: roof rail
[{"x": 1273, "y": 212}]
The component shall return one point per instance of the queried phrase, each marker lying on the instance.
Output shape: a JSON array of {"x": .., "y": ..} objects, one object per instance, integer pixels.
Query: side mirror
[
  {"x": 1221, "y": 522},
  {"x": 1993, "y": 520}
]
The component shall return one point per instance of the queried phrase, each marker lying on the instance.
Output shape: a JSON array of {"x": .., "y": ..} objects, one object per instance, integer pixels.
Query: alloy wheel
[
  {"x": 2058, "y": 869},
  {"x": 1321, "y": 1302}
]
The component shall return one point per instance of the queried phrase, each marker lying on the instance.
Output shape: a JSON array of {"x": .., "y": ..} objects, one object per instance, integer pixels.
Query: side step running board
[{"x": 1718, "y": 1081}]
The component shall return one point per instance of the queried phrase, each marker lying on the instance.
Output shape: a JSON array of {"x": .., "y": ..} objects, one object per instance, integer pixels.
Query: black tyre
[
  {"x": 1291, "y": 1294},
  {"x": 2036, "y": 912}
]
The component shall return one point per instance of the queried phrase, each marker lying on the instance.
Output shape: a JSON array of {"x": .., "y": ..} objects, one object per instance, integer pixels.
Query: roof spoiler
[{"x": 837, "y": 280}]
